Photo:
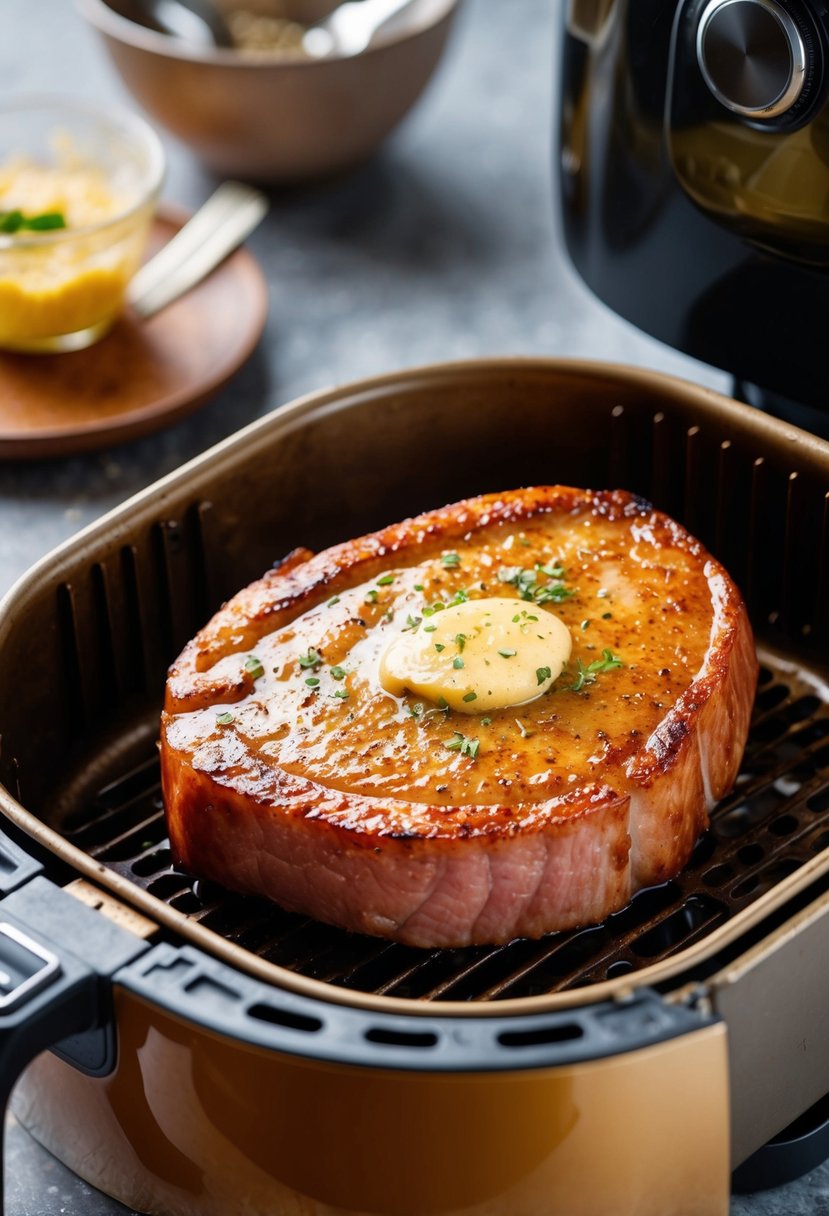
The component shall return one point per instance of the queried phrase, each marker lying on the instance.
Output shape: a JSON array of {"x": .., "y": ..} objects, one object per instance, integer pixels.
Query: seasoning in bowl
[
  {"x": 77, "y": 194},
  {"x": 263, "y": 34}
]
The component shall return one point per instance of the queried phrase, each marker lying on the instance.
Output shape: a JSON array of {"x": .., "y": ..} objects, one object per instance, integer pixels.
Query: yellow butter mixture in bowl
[{"x": 77, "y": 195}]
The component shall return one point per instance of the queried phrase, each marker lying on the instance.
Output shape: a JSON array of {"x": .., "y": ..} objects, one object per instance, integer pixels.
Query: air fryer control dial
[{"x": 752, "y": 57}]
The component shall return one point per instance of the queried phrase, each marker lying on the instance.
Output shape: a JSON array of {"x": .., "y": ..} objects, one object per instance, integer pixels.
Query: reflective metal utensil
[
  {"x": 217, "y": 228},
  {"x": 351, "y": 27}
]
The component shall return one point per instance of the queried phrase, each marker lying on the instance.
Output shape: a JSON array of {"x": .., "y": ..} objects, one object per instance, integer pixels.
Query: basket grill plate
[{"x": 775, "y": 820}]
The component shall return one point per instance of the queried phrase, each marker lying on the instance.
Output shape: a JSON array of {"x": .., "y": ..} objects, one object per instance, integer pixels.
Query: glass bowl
[{"x": 78, "y": 188}]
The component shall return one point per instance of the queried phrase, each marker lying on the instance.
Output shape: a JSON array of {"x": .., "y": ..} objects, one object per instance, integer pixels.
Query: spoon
[
  {"x": 215, "y": 230},
  {"x": 349, "y": 30},
  {"x": 198, "y": 21},
  {"x": 351, "y": 27}
]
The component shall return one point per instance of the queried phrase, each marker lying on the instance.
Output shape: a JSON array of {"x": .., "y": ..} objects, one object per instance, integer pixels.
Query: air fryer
[{"x": 694, "y": 183}]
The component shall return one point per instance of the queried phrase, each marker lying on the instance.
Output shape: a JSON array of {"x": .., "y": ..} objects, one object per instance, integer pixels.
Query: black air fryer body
[{"x": 694, "y": 179}]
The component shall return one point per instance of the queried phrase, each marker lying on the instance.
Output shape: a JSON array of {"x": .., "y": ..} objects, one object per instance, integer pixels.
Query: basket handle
[{"x": 57, "y": 959}]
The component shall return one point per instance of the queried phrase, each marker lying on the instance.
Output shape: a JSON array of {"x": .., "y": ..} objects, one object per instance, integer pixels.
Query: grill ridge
[{"x": 774, "y": 821}]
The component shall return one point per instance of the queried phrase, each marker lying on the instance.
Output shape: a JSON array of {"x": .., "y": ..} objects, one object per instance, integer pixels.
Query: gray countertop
[{"x": 443, "y": 247}]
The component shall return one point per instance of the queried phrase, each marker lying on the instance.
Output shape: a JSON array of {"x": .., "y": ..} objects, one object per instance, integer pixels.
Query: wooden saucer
[{"x": 144, "y": 374}]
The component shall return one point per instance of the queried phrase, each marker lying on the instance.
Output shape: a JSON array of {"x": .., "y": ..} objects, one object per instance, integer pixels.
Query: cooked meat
[{"x": 332, "y": 740}]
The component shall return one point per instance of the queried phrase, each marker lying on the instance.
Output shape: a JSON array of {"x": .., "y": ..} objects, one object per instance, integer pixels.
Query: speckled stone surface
[{"x": 443, "y": 247}]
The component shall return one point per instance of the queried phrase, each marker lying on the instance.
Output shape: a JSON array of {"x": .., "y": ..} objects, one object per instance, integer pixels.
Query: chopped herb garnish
[
  {"x": 386, "y": 580},
  {"x": 443, "y": 703},
  {"x": 527, "y": 585},
  {"x": 554, "y": 593},
  {"x": 14, "y": 221},
  {"x": 439, "y": 646},
  {"x": 419, "y": 587},
  {"x": 412, "y": 622},
  {"x": 457, "y": 663},
  {"x": 516, "y": 618},
  {"x": 371, "y": 597},
  {"x": 607, "y": 616},
  {"x": 486, "y": 721},
  {"x": 460, "y": 743},
  {"x": 337, "y": 673},
  {"x": 542, "y": 674},
  {"x": 460, "y": 641},
  {"x": 508, "y": 654},
  {"x": 552, "y": 570},
  {"x": 312, "y": 682},
  {"x": 471, "y": 696},
  {"x": 431, "y": 609},
  {"x": 587, "y": 674},
  {"x": 224, "y": 719},
  {"x": 415, "y": 710},
  {"x": 335, "y": 599},
  {"x": 429, "y": 628},
  {"x": 312, "y": 659},
  {"x": 608, "y": 661},
  {"x": 341, "y": 693},
  {"x": 253, "y": 667},
  {"x": 450, "y": 560},
  {"x": 460, "y": 597}
]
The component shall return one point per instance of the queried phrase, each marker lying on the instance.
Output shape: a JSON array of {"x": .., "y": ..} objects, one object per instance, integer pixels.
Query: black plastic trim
[
  {"x": 57, "y": 957},
  {"x": 795, "y": 1151},
  {"x": 203, "y": 991}
]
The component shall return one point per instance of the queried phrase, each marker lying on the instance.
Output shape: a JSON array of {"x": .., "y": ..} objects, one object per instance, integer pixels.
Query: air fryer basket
[{"x": 87, "y": 636}]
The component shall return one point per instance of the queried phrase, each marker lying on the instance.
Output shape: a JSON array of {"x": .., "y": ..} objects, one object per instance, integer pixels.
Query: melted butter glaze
[{"x": 637, "y": 579}]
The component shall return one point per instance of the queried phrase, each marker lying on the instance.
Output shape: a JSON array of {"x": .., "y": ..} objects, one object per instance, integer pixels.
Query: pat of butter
[{"x": 480, "y": 655}]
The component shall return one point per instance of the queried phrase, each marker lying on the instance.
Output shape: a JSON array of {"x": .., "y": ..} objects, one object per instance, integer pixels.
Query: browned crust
[{"x": 294, "y": 586}]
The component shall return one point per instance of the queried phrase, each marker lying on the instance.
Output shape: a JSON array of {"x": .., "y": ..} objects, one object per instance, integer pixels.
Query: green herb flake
[
  {"x": 443, "y": 703},
  {"x": 471, "y": 696},
  {"x": 486, "y": 721},
  {"x": 460, "y": 743},
  {"x": 508, "y": 654},
  {"x": 341, "y": 694},
  {"x": 516, "y": 618},
  {"x": 419, "y": 587},
  {"x": 457, "y": 663},
  {"x": 552, "y": 569},
  {"x": 224, "y": 719},
  {"x": 386, "y": 580},
  {"x": 412, "y": 622},
  {"x": 587, "y": 674},
  {"x": 542, "y": 674},
  {"x": 312, "y": 659},
  {"x": 337, "y": 673},
  {"x": 429, "y": 628},
  {"x": 335, "y": 599},
  {"x": 370, "y": 597},
  {"x": 439, "y": 646},
  {"x": 415, "y": 710},
  {"x": 253, "y": 667},
  {"x": 450, "y": 561},
  {"x": 460, "y": 641},
  {"x": 14, "y": 221},
  {"x": 312, "y": 682}
]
